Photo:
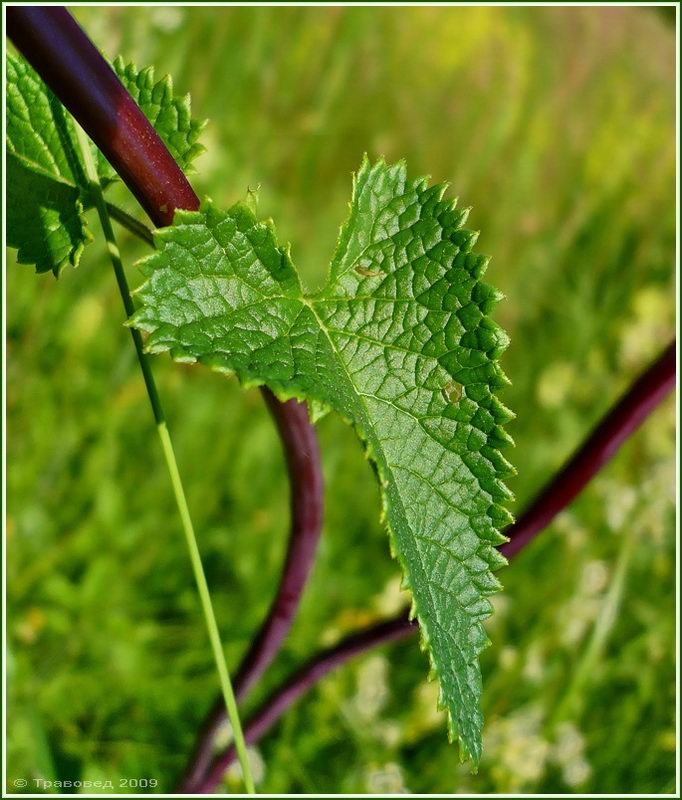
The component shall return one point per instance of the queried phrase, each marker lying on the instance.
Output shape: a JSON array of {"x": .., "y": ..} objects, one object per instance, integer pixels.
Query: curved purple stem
[
  {"x": 303, "y": 680},
  {"x": 599, "y": 448},
  {"x": 645, "y": 394},
  {"x": 303, "y": 460},
  {"x": 306, "y": 498}
]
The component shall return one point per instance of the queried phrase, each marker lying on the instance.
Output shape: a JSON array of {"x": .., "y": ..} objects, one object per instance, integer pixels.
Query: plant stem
[
  {"x": 645, "y": 394},
  {"x": 171, "y": 462},
  {"x": 306, "y": 496},
  {"x": 599, "y": 447},
  {"x": 303, "y": 461},
  {"x": 303, "y": 680},
  {"x": 131, "y": 224},
  {"x": 207, "y": 606}
]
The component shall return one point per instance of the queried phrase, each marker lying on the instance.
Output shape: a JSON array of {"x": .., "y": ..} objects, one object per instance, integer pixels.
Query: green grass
[{"x": 557, "y": 126}]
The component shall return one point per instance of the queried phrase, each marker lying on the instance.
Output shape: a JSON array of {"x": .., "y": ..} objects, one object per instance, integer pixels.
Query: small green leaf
[
  {"x": 45, "y": 220},
  {"x": 51, "y": 233},
  {"x": 399, "y": 342},
  {"x": 48, "y": 192}
]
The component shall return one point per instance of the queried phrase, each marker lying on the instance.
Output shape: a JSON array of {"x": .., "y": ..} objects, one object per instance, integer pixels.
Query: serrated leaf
[
  {"x": 34, "y": 118},
  {"x": 399, "y": 343},
  {"x": 49, "y": 234},
  {"x": 45, "y": 220},
  {"x": 47, "y": 193}
]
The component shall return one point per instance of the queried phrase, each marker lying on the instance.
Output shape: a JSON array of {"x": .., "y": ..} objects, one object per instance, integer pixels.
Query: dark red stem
[
  {"x": 620, "y": 422},
  {"x": 303, "y": 680},
  {"x": 303, "y": 459},
  {"x": 71, "y": 65},
  {"x": 599, "y": 447}
]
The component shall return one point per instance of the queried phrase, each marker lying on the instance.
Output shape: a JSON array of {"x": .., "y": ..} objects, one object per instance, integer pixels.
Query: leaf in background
[
  {"x": 399, "y": 343},
  {"x": 45, "y": 219},
  {"x": 47, "y": 194}
]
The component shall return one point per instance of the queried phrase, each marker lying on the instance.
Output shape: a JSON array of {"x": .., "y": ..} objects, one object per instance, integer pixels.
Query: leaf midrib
[{"x": 384, "y": 462}]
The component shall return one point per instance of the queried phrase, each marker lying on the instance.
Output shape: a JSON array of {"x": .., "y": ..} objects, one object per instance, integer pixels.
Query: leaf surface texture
[{"x": 399, "y": 342}]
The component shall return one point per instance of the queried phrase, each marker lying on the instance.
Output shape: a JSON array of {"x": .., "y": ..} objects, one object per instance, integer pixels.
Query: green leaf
[
  {"x": 47, "y": 195},
  {"x": 45, "y": 220},
  {"x": 399, "y": 342},
  {"x": 35, "y": 125}
]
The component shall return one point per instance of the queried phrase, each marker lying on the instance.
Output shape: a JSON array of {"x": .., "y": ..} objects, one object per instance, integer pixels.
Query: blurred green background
[{"x": 557, "y": 126}]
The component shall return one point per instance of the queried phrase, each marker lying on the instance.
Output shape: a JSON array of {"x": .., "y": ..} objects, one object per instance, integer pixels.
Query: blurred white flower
[
  {"x": 392, "y": 598},
  {"x": 534, "y": 664},
  {"x": 568, "y": 754},
  {"x": 641, "y": 511},
  {"x": 508, "y": 656},
  {"x": 576, "y": 772},
  {"x": 555, "y": 384},
  {"x": 574, "y": 533},
  {"x": 233, "y": 774},
  {"x": 223, "y": 736},
  {"x": 372, "y": 692},
  {"x": 594, "y": 577},
  {"x": 575, "y": 617},
  {"x": 651, "y": 324},
  {"x": 516, "y": 750},
  {"x": 386, "y": 779},
  {"x": 569, "y": 743},
  {"x": 388, "y": 731},
  {"x": 620, "y": 500},
  {"x": 166, "y": 18}
]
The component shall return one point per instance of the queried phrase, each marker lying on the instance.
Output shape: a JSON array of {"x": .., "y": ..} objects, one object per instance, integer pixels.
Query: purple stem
[
  {"x": 303, "y": 680},
  {"x": 73, "y": 68},
  {"x": 71, "y": 65},
  {"x": 600, "y": 446},
  {"x": 645, "y": 394},
  {"x": 303, "y": 459}
]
